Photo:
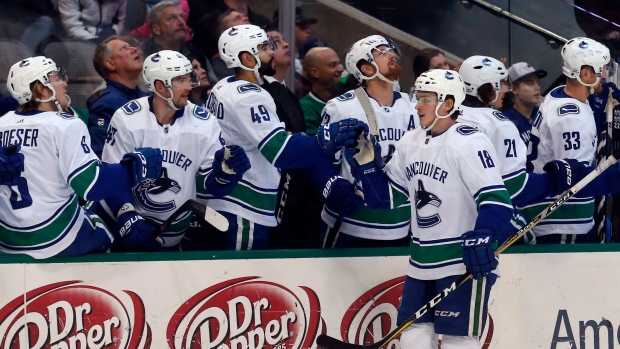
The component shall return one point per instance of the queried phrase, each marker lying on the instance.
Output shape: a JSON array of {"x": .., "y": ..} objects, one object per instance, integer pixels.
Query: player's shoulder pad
[
  {"x": 568, "y": 108},
  {"x": 201, "y": 113},
  {"x": 347, "y": 96},
  {"x": 249, "y": 87},
  {"x": 466, "y": 130},
  {"x": 67, "y": 116},
  {"x": 500, "y": 116},
  {"x": 131, "y": 107}
]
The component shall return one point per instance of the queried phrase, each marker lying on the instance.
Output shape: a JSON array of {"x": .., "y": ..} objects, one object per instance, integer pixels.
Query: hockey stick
[
  {"x": 204, "y": 214},
  {"x": 328, "y": 342}
]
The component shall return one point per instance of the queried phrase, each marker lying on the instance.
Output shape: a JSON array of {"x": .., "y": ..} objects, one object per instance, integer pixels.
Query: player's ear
[
  {"x": 447, "y": 105},
  {"x": 247, "y": 59},
  {"x": 367, "y": 69}
]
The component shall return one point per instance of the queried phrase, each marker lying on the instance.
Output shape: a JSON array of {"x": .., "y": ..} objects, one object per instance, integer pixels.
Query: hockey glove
[
  {"x": 339, "y": 134},
  {"x": 567, "y": 172},
  {"x": 143, "y": 163},
  {"x": 135, "y": 234},
  {"x": 365, "y": 156},
  {"x": 11, "y": 164},
  {"x": 229, "y": 164},
  {"x": 342, "y": 197},
  {"x": 478, "y": 255}
]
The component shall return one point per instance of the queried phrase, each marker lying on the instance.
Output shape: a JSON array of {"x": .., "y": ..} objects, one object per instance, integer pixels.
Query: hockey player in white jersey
[
  {"x": 373, "y": 61},
  {"x": 460, "y": 209},
  {"x": 247, "y": 116},
  {"x": 565, "y": 128},
  {"x": 193, "y": 152},
  {"x": 39, "y": 211}
]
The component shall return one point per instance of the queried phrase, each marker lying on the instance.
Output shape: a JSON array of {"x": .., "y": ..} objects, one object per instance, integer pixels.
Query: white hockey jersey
[
  {"x": 393, "y": 122},
  {"x": 449, "y": 178},
  {"x": 247, "y": 115},
  {"x": 564, "y": 128},
  {"x": 188, "y": 145},
  {"x": 40, "y": 216}
]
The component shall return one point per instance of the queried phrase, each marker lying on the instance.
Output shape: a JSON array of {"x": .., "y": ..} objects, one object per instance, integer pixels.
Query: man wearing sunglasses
[{"x": 247, "y": 115}]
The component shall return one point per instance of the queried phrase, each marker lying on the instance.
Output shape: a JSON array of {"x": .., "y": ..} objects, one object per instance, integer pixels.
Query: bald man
[{"x": 323, "y": 69}]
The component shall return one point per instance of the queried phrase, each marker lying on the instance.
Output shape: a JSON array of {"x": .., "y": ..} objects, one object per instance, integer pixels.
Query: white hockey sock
[
  {"x": 460, "y": 342},
  {"x": 419, "y": 336}
]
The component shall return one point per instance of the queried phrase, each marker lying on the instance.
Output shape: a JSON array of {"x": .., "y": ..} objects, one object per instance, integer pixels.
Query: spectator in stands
[
  {"x": 7, "y": 104},
  {"x": 92, "y": 19},
  {"x": 168, "y": 30},
  {"x": 120, "y": 65},
  {"x": 203, "y": 14},
  {"x": 522, "y": 103},
  {"x": 144, "y": 31},
  {"x": 302, "y": 83},
  {"x": 303, "y": 32},
  {"x": 323, "y": 69},
  {"x": 199, "y": 93},
  {"x": 427, "y": 59},
  {"x": 227, "y": 19}
]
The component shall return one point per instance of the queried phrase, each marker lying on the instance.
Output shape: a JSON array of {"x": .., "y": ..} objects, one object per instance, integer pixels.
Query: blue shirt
[
  {"x": 524, "y": 125},
  {"x": 114, "y": 96},
  {"x": 7, "y": 104}
]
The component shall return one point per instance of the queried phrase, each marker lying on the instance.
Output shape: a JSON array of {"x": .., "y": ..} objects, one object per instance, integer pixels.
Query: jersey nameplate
[
  {"x": 247, "y": 88},
  {"x": 201, "y": 113},
  {"x": 466, "y": 130},
  {"x": 131, "y": 107},
  {"x": 569, "y": 108}
]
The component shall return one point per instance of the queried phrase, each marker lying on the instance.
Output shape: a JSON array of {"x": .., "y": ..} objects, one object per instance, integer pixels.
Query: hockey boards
[
  {"x": 203, "y": 213},
  {"x": 327, "y": 342}
]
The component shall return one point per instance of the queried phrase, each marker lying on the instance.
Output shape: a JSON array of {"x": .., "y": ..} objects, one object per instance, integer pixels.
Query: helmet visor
[
  {"x": 57, "y": 74},
  {"x": 270, "y": 43},
  {"x": 191, "y": 78}
]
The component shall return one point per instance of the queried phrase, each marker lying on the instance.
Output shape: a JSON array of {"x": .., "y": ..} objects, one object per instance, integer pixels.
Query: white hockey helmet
[
  {"x": 578, "y": 52},
  {"x": 444, "y": 83},
  {"x": 243, "y": 38},
  {"x": 479, "y": 70},
  {"x": 362, "y": 50},
  {"x": 23, "y": 73},
  {"x": 164, "y": 66}
]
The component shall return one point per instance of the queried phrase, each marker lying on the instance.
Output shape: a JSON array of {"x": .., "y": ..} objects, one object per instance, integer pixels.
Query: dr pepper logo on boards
[
  {"x": 68, "y": 315},
  {"x": 373, "y": 316},
  {"x": 246, "y": 313}
]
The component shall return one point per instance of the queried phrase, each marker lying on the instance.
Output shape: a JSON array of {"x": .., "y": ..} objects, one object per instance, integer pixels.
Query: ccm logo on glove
[{"x": 476, "y": 242}]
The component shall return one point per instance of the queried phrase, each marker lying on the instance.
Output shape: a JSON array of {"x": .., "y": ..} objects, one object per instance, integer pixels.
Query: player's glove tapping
[
  {"x": 11, "y": 164},
  {"x": 340, "y": 134},
  {"x": 478, "y": 256},
  {"x": 229, "y": 164},
  {"x": 341, "y": 196},
  {"x": 365, "y": 156},
  {"x": 143, "y": 163},
  {"x": 136, "y": 235}
]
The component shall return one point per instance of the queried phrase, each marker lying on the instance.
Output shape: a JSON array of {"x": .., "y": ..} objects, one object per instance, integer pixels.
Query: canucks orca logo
[
  {"x": 449, "y": 76},
  {"x": 422, "y": 199},
  {"x": 486, "y": 61},
  {"x": 153, "y": 186},
  {"x": 583, "y": 45}
]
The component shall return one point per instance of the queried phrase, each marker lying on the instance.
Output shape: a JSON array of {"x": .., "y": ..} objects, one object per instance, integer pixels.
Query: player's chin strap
[
  {"x": 591, "y": 86},
  {"x": 169, "y": 100},
  {"x": 53, "y": 99},
  {"x": 255, "y": 70},
  {"x": 379, "y": 75},
  {"x": 437, "y": 117}
]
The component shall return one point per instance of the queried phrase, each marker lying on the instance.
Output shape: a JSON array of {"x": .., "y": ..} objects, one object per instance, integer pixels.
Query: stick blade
[
  {"x": 327, "y": 342},
  {"x": 209, "y": 215}
]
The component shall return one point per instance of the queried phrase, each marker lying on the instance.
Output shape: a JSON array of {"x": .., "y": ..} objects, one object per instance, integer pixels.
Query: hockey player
[
  {"x": 565, "y": 128},
  {"x": 373, "y": 61},
  {"x": 247, "y": 116},
  {"x": 189, "y": 137},
  {"x": 39, "y": 211},
  {"x": 460, "y": 209}
]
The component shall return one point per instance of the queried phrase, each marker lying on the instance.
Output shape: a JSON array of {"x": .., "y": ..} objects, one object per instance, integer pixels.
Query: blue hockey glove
[
  {"x": 11, "y": 164},
  {"x": 339, "y": 134},
  {"x": 229, "y": 164},
  {"x": 143, "y": 163},
  {"x": 365, "y": 156},
  {"x": 341, "y": 196},
  {"x": 567, "y": 173},
  {"x": 478, "y": 255},
  {"x": 135, "y": 234}
]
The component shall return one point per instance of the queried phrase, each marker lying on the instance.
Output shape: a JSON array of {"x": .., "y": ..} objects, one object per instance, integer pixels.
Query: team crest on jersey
[
  {"x": 466, "y": 130},
  {"x": 346, "y": 96},
  {"x": 201, "y": 113},
  {"x": 424, "y": 198},
  {"x": 153, "y": 186},
  {"x": 248, "y": 88},
  {"x": 500, "y": 116},
  {"x": 569, "y": 108},
  {"x": 131, "y": 107}
]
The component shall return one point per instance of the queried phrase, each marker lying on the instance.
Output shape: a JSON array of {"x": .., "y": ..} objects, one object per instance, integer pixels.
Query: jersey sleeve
[
  {"x": 210, "y": 142},
  {"x": 118, "y": 140},
  {"x": 478, "y": 163},
  {"x": 397, "y": 179}
]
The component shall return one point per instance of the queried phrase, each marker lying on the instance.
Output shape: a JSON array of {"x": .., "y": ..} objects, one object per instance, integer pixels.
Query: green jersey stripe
[
  {"x": 274, "y": 146},
  {"x": 84, "y": 181},
  {"x": 432, "y": 254},
  {"x": 515, "y": 184},
  {"x": 499, "y": 196}
]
